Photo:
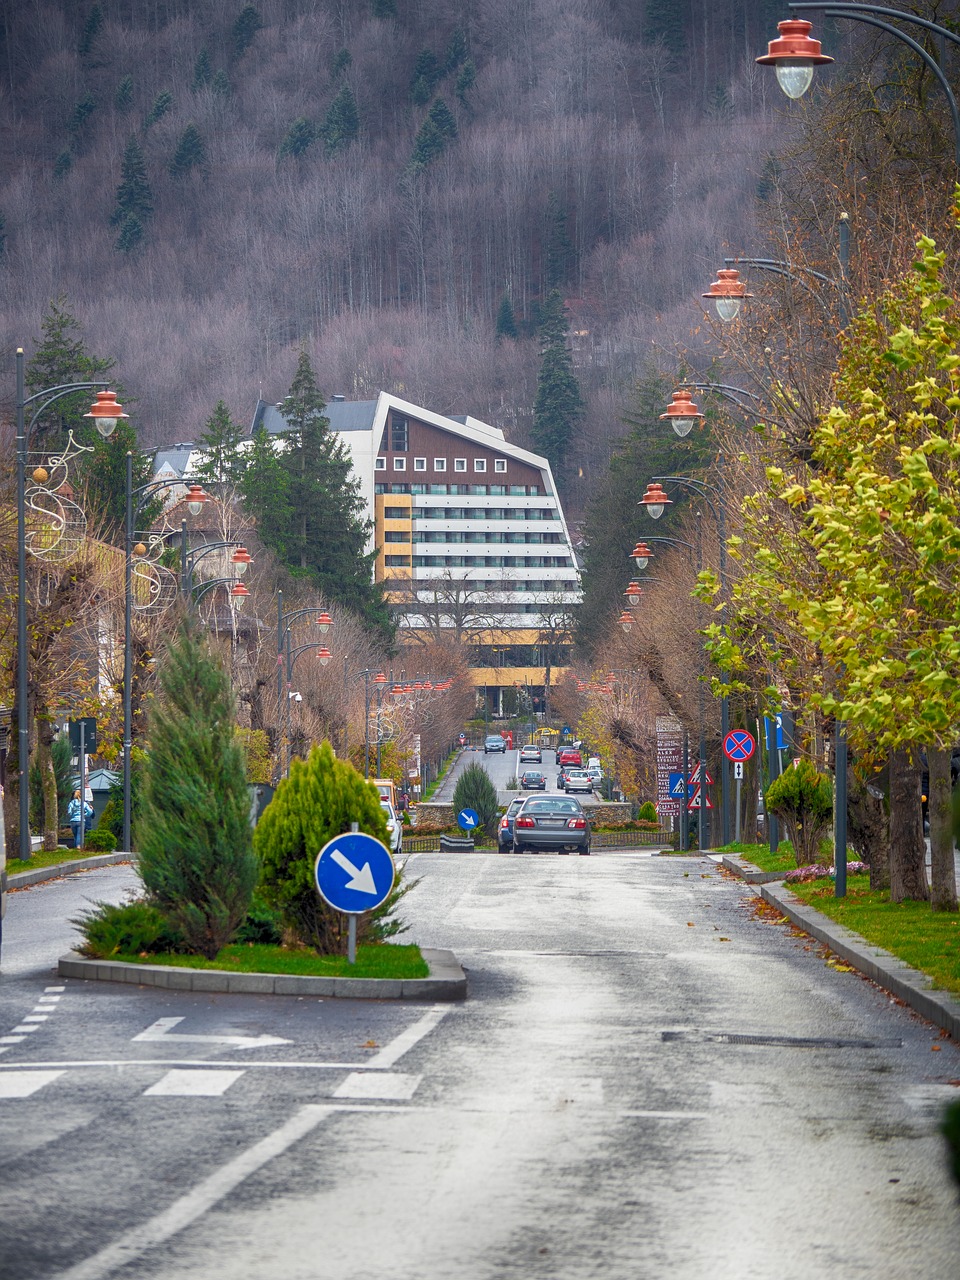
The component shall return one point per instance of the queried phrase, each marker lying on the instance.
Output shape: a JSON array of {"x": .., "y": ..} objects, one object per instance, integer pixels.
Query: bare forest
[{"x": 300, "y": 187}]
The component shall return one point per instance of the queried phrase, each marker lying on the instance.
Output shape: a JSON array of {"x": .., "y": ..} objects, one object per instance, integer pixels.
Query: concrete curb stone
[
  {"x": 942, "y": 1008},
  {"x": 747, "y": 871},
  {"x": 21, "y": 879},
  {"x": 447, "y": 980}
]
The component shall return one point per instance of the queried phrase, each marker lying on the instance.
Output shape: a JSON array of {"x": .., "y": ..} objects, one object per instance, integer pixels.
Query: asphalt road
[
  {"x": 647, "y": 1081},
  {"x": 503, "y": 768}
]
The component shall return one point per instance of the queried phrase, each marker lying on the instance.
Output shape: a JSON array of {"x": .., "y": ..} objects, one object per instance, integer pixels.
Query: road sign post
[
  {"x": 738, "y": 746},
  {"x": 354, "y": 873},
  {"x": 468, "y": 820}
]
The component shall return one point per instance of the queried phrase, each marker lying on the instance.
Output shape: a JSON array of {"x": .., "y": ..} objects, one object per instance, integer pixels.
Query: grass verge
[
  {"x": 383, "y": 960},
  {"x": 53, "y": 859},
  {"x": 927, "y": 940}
]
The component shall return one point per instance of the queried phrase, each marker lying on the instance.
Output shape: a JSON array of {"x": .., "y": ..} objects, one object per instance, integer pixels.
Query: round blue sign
[
  {"x": 354, "y": 872},
  {"x": 468, "y": 819}
]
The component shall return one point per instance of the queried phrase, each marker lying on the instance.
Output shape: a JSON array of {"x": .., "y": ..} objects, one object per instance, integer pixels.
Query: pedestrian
[{"x": 75, "y": 809}]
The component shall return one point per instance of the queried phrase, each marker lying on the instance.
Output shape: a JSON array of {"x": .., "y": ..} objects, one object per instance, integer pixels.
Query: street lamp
[
  {"x": 655, "y": 500},
  {"x": 727, "y": 294},
  {"x": 105, "y": 414},
  {"x": 285, "y": 621},
  {"x": 324, "y": 657}
]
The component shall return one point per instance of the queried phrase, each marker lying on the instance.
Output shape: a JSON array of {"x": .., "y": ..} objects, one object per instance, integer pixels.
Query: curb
[
  {"x": 747, "y": 871},
  {"x": 894, "y": 975},
  {"x": 39, "y": 874},
  {"x": 447, "y": 980}
]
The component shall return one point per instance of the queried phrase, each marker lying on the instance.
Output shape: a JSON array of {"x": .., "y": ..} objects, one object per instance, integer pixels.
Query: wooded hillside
[{"x": 211, "y": 185}]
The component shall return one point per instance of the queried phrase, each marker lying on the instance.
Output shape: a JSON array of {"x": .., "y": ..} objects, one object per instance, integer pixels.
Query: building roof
[{"x": 343, "y": 415}]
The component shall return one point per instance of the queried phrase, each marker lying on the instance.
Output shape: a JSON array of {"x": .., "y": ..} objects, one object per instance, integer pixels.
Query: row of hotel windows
[
  {"x": 440, "y": 464},
  {"x": 522, "y": 614},
  {"x": 478, "y": 490},
  {"x": 484, "y": 513},
  {"x": 455, "y": 536},
  {"x": 519, "y": 655}
]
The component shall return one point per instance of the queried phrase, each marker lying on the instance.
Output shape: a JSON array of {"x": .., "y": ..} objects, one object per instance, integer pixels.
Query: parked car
[
  {"x": 577, "y": 780},
  {"x": 494, "y": 743},
  {"x": 561, "y": 777},
  {"x": 532, "y": 780},
  {"x": 531, "y": 753},
  {"x": 551, "y": 822},
  {"x": 394, "y": 828},
  {"x": 569, "y": 755},
  {"x": 596, "y": 774},
  {"x": 505, "y": 827}
]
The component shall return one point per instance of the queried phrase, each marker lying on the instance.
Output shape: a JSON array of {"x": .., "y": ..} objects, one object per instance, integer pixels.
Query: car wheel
[
  {"x": 585, "y": 852},
  {"x": 517, "y": 848}
]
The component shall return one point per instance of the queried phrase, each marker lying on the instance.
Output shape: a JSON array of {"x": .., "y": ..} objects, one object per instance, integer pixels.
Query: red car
[{"x": 569, "y": 755}]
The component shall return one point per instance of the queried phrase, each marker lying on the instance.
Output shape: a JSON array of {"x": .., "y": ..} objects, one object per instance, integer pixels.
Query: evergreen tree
[
  {"x": 103, "y": 477},
  {"x": 341, "y": 124},
  {"x": 91, "y": 29},
  {"x": 339, "y": 63},
  {"x": 559, "y": 404},
  {"x": 383, "y": 8},
  {"x": 191, "y": 153},
  {"x": 559, "y": 253},
  {"x": 80, "y": 114},
  {"x": 506, "y": 320},
  {"x": 202, "y": 71},
  {"x": 220, "y": 84},
  {"x": 3, "y": 236},
  {"x": 161, "y": 105},
  {"x": 319, "y": 800},
  {"x": 436, "y": 132},
  {"x": 123, "y": 96},
  {"x": 475, "y": 790},
  {"x": 131, "y": 234},
  {"x": 61, "y": 358},
  {"x": 245, "y": 28},
  {"x": 222, "y": 460},
  {"x": 301, "y": 135},
  {"x": 466, "y": 79},
  {"x": 425, "y": 78},
  {"x": 264, "y": 489},
  {"x": 196, "y": 855},
  {"x": 663, "y": 23},
  {"x": 134, "y": 196},
  {"x": 63, "y": 164},
  {"x": 456, "y": 52}
]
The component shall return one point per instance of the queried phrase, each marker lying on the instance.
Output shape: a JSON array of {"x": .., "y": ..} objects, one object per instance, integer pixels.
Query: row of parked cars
[{"x": 573, "y": 775}]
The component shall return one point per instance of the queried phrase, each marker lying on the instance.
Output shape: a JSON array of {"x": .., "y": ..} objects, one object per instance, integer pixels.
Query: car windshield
[
  {"x": 532, "y": 773},
  {"x": 552, "y": 806}
]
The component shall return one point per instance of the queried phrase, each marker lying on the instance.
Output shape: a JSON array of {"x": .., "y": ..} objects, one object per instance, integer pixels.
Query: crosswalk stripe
[
  {"x": 392, "y": 1086},
  {"x": 21, "y": 1084},
  {"x": 192, "y": 1084}
]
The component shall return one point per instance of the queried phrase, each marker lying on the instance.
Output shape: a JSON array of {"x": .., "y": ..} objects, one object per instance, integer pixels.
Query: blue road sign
[
  {"x": 677, "y": 787},
  {"x": 468, "y": 819},
  {"x": 739, "y": 745},
  {"x": 354, "y": 872},
  {"x": 565, "y": 729}
]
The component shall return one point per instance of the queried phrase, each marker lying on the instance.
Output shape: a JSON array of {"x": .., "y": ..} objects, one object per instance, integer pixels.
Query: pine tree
[
  {"x": 196, "y": 855},
  {"x": 301, "y": 135},
  {"x": 466, "y": 79},
  {"x": 223, "y": 461},
  {"x": 506, "y": 320},
  {"x": 220, "y": 84},
  {"x": 131, "y": 234},
  {"x": 319, "y": 800},
  {"x": 81, "y": 113},
  {"x": 559, "y": 253},
  {"x": 341, "y": 124},
  {"x": 426, "y": 75},
  {"x": 245, "y": 28},
  {"x": 663, "y": 23},
  {"x": 559, "y": 404},
  {"x": 123, "y": 96},
  {"x": 3, "y": 236},
  {"x": 63, "y": 164},
  {"x": 61, "y": 358},
  {"x": 456, "y": 52},
  {"x": 103, "y": 476},
  {"x": 339, "y": 63},
  {"x": 202, "y": 71},
  {"x": 134, "y": 196},
  {"x": 383, "y": 8},
  {"x": 91, "y": 29},
  {"x": 475, "y": 790},
  {"x": 436, "y": 132},
  {"x": 191, "y": 153},
  {"x": 161, "y": 105}
]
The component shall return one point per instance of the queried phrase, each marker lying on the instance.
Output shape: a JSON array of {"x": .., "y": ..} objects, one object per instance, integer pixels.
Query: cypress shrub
[
  {"x": 196, "y": 856},
  {"x": 802, "y": 799},
  {"x": 474, "y": 790}
]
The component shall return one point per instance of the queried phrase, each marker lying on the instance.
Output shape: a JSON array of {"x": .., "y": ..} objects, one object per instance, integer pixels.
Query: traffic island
[{"x": 447, "y": 980}]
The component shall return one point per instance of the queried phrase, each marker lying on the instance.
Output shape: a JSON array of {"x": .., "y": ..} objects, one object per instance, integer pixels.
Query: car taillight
[
  {"x": 523, "y": 822},
  {"x": 577, "y": 824},
  {"x": 503, "y": 823}
]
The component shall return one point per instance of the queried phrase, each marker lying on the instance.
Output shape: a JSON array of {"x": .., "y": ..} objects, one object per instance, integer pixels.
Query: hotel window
[
  {"x": 396, "y": 513},
  {"x": 380, "y": 464},
  {"x": 397, "y": 562},
  {"x": 439, "y": 464},
  {"x": 459, "y": 464},
  {"x": 500, "y": 464},
  {"x": 399, "y": 464},
  {"x": 419, "y": 464},
  {"x": 398, "y": 433},
  {"x": 479, "y": 464},
  {"x": 396, "y": 535}
]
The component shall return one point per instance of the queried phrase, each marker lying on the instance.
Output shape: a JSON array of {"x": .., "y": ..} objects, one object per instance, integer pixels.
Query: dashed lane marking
[
  {"x": 193, "y": 1084},
  {"x": 21, "y": 1084},
  {"x": 386, "y": 1087}
]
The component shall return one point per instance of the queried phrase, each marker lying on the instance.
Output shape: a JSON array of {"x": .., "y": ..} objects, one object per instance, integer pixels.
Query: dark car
[
  {"x": 531, "y": 754},
  {"x": 495, "y": 743},
  {"x": 532, "y": 780},
  {"x": 569, "y": 755},
  {"x": 551, "y": 822},
  {"x": 505, "y": 827}
]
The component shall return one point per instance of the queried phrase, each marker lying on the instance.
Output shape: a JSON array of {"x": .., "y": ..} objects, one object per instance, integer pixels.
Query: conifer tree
[
  {"x": 134, "y": 195},
  {"x": 456, "y": 52},
  {"x": 61, "y": 357},
  {"x": 558, "y": 408},
  {"x": 161, "y": 105},
  {"x": 63, "y": 164},
  {"x": 426, "y": 75},
  {"x": 191, "y": 153},
  {"x": 131, "y": 234},
  {"x": 264, "y": 488},
  {"x": 222, "y": 460},
  {"x": 220, "y": 84},
  {"x": 123, "y": 95},
  {"x": 506, "y": 320},
  {"x": 301, "y": 135},
  {"x": 103, "y": 474},
  {"x": 466, "y": 79},
  {"x": 196, "y": 855},
  {"x": 91, "y": 29},
  {"x": 245, "y": 28},
  {"x": 436, "y": 132},
  {"x": 475, "y": 790},
  {"x": 81, "y": 112},
  {"x": 3, "y": 236},
  {"x": 559, "y": 253},
  {"x": 339, "y": 63},
  {"x": 202, "y": 71},
  {"x": 341, "y": 124},
  {"x": 383, "y": 8}
]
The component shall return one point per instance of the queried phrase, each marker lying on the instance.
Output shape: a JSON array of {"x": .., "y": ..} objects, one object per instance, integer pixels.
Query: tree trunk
[
  {"x": 943, "y": 874},
  {"x": 868, "y": 827},
  {"x": 908, "y": 871},
  {"x": 48, "y": 784}
]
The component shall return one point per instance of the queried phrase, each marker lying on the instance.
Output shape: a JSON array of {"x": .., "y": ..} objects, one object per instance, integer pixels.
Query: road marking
[
  {"x": 21, "y": 1084},
  {"x": 193, "y": 1084},
  {"x": 36, "y": 1017},
  {"x": 405, "y": 1041},
  {"x": 163, "y": 1029},
  {"x": 190, "y": 1062},
  {"x": 132, "y": 1244},
  {"x": 47, "y": 1000},
  {"x": 392, "y": 1087},
  {"x": 54, "y": 988},
  {"x": 23, "y": 1027},
  {"x": 12, "y": 1039},
  {"x": 664, "y": 1115}
]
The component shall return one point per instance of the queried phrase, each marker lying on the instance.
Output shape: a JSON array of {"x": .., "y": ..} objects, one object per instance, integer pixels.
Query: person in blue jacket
[{"x": 74, "y": 810}]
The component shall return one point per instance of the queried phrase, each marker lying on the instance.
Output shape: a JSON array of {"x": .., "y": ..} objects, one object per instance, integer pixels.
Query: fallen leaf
[
  {"x": 723, "y": 939},
  {"x": 935, "y": 1048},
  {"x": 690, "y": 924},
  {"x": 371, "y": 1044}
]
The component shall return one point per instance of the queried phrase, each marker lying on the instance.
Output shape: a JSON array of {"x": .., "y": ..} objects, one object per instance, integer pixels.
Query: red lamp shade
[
  {"x": 106, "y": 413},
  {"x": 655, "y": 500},
  {"x": 727, "y": 293},
  {"x": 682, "y": 413},
  {"x": 794, "y": 54}
]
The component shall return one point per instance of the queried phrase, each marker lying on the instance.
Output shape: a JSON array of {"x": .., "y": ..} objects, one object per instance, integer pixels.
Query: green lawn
[
  {"x": 383, "y": 960},
  {"x": 927, "y": 940},
  {"x": 41, "y": 859},
  {"x": 760, "y": 855}
]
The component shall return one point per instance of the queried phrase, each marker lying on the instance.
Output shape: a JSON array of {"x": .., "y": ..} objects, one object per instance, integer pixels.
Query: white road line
[
  {"x": 188, "y": 1062},
  {"x": 36, "y": 1017},
  {"x": 47, "y": 1000},
  {"x": 12, "y": 1039},
  {"x": 20, "y": 1084},
  {"x": 25, "y": 1027},
  {"x": 132, "y": 1244},
  {"x": 395, "y": 1050},
  {"x": 664, "y": 1115},
  {"x": 193, "y": 1084},
  {"x": 387, "y": 1087},
  {"x": 54, "y": 988}
]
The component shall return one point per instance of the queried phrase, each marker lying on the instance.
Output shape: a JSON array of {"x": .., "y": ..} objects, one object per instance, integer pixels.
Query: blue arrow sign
[
  {"x": 468, "y": 819},
  {"x": 354, "y": 872},
  {"x": 677, "y": 787}
]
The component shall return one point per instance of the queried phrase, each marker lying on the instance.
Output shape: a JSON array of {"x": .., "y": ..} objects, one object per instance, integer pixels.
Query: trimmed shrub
[
  {"x": 129, "y": 929},
  {"x": 802, "y": 799},
  {"x": 648, "y": 812},
  {"x": 196, "y": 855},
  {"x": 102, "y": 840}
]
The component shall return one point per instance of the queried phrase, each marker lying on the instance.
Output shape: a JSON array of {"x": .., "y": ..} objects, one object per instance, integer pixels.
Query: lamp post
[
  {"x": 105, "y": 414},
  {"x": 284, "y": 621},
  {"x": 795, "y": 54},
  {"x": 292, "y": 655}
]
